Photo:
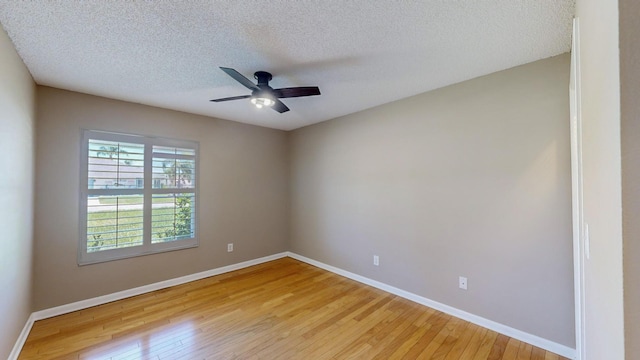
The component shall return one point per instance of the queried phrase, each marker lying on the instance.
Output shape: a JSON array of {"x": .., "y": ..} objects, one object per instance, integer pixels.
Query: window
[{"x": 138, "y": 196}]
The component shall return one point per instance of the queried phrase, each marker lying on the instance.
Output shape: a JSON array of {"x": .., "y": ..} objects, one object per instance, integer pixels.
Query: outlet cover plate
[{"x": 462, "y": 283}]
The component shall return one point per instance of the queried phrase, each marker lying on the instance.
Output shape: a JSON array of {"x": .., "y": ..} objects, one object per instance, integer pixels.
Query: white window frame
[{"x": 148, "y": 191}]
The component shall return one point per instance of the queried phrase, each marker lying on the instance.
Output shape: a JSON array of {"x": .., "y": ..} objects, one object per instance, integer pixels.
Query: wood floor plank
[
  {"x": 511, "y": 350},
  {"x": 551, "y": 356},
  {"x": 412, "y": 335},
  {"x": 524, "y": 351},
  {"x": 435, "y": 326},
  {"x": 370, "y": 326},
  {"x": 402, "y": 326},
  {"x": 450, "y": 341},
  {"x": 462, "y": 342},
  {"x": 499, "y": 347},
  {"x": 474, "y": 343},
  {"x": 284, "y": 309},
  {"x": 537, "y": 354}
]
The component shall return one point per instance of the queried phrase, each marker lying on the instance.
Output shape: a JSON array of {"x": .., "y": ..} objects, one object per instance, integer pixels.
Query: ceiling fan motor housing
[{"x": 263, "y": 77}]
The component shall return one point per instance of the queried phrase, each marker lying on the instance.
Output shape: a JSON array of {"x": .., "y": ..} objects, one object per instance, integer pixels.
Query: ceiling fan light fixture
[
  {"x": 259, "y": 102},
  {"x": 262, "y": 98}
]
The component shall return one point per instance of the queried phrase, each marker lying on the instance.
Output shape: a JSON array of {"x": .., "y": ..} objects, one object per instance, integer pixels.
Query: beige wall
[
  {"x": 17, "y": 121},
  {"x": 472, "y": 179},
  {"x": 243, "y": 195},
  {"x": 600, "y": 90},
  {"x": 630, "y": 130}
]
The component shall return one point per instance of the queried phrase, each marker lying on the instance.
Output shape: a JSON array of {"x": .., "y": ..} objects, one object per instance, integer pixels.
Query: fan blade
[
  {"x": 240, "y": 78},
  {"x": 231, "y": 98},
  {"x": 280, "y": 107},
  {"x": 296, "y": 92}
]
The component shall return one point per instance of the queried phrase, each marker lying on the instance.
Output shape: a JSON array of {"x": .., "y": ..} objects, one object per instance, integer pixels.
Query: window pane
[
  {"x": 115, "y": 165},
  {"x": 114, "y": 221},
  {"x": 173, "y": 173},
  {"x": 172, "y": 217}
]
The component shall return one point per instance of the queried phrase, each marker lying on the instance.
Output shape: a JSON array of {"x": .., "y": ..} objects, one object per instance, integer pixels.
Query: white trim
[
  {"x": 17, "y": 347},
  {"x": 577, "y": 198},
  {"x": 84, "y": 304},
  {"x": 486, "y": 323}
]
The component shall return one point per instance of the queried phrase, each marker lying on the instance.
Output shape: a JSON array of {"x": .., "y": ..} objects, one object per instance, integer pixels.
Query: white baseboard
[
  {"x": 492, "y": 325},
  {"x": 83, "y": 304},
  {"x": 486, "y": 323},
  {"x": 17, "y": 347}
]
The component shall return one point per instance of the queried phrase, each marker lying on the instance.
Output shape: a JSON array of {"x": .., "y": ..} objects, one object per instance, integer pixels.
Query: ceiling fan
[{"x": 264, "y": 95}]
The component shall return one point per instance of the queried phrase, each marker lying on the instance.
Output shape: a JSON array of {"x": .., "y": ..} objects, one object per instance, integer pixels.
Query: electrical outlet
[
  {"x": 376, "y": 260},
  {"x": 462, "y": 283},
  {"x": 230, "y": 247}
]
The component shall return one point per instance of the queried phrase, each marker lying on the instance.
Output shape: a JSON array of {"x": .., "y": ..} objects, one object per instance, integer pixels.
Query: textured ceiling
[{"x": 360, "y": 53}]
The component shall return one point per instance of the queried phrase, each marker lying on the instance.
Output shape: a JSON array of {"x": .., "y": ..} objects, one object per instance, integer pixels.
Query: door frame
[{"x": 579, "y": 226}]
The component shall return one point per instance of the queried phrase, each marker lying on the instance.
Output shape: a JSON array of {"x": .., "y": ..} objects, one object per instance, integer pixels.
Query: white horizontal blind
[
  {"x": 173, "y": 201},
  {"x": 114, "y": 217},
  {"x": 138, "y": 196}
]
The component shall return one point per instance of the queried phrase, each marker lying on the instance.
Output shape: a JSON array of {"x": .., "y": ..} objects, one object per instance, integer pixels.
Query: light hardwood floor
[{"x": 282, "y": 309}]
